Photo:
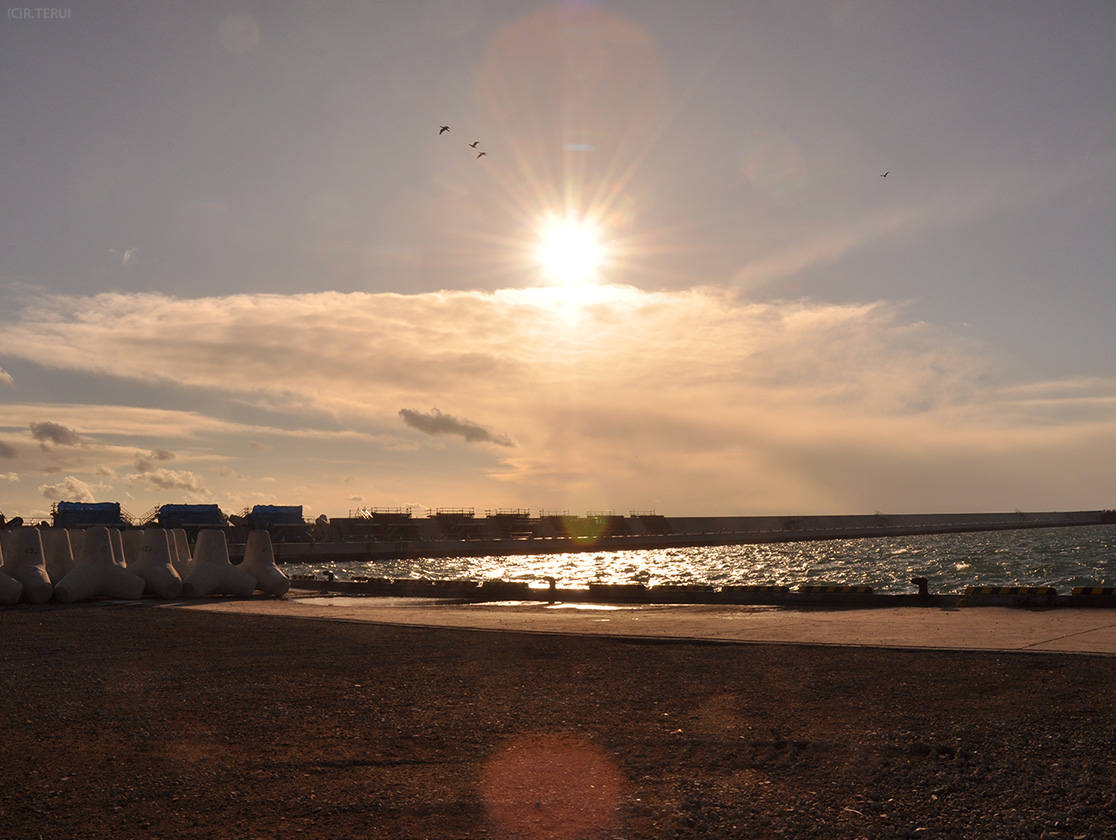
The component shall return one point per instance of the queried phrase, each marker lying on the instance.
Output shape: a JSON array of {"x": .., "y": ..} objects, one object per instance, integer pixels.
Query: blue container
[
  {"x": 87, "y": 514},
  {"x": 268, "y": 516}
]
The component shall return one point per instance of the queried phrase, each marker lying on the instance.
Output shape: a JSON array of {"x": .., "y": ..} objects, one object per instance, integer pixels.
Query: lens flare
[{"x": 551, "y": 787}]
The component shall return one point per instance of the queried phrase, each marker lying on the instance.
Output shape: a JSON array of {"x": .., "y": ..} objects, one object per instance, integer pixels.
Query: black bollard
[{"x": 923, "y": 586}]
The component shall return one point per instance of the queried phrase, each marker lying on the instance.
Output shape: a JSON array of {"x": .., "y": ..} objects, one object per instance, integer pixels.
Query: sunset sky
[{"x": 240, "y": 264}]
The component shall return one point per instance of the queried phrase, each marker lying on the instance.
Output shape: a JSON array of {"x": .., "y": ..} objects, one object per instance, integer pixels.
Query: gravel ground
[{"x": 142, "y": 721}]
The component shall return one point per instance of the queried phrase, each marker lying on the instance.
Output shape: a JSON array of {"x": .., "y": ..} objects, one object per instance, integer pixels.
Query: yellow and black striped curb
[
  {"x": 1045, "y": 591},
  {"x": 818, "y": 588},
  {"x": 1104, "y": 591},
  {"x": 755, "y": 587}
]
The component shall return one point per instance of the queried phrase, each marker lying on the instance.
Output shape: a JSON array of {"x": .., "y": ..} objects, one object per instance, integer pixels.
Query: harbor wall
[{"x": 427, "y": 537}]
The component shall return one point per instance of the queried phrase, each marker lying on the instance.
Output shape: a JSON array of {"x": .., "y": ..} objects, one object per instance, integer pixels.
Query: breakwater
[{"x": 398, "y": 535}]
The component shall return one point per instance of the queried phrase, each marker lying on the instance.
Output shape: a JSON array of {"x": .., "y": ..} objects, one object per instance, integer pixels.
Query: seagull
[
  {"x": 481, "y": 154},
  {"x": 443, "y": 129},
  {"x": 473, "y": 145},
  {"x": 885, "y": 174}
]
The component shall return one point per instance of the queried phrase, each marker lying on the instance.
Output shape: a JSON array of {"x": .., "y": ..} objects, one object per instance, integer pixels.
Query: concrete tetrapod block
[
  {"x": 259, "y": 561},
  {"x": 180, "y": 552},
  {"x": 27, "y": 564},
  {"x": 98, "y": 573},
  {"x": 151, "y": 560},
  {"x": 7, "y": 541},
  {"x": 130, "y": 540},
  {"x": 118, "y": 547},
  {"x": 59, "y": 553},
  {"x": 10, "y": 588},
  {"x": 213, "y": 574},
  {"x": 77, "y": 538}
]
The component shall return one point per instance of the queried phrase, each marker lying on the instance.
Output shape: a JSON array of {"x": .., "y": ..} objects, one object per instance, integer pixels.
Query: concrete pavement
[{"x": 1080, "y": 631}]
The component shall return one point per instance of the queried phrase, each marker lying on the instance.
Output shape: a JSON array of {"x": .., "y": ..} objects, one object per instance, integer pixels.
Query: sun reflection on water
[{"x": 1059, "y": 557}]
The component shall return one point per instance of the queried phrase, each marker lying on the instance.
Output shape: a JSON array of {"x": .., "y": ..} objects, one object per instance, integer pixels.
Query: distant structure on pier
[{"x": 381, "y": 533}]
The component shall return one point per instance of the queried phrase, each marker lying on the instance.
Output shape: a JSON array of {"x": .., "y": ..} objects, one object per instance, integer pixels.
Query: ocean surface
[{"x": 1058, "y": 557}]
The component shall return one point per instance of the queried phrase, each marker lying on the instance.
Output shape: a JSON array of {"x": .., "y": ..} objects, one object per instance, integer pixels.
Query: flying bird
[
  {"x": 473, "y": 145},
  {"x": 443, "y": 129},
  {"x": 885, "y": 174},
  {"x": 481, "y": 154}
]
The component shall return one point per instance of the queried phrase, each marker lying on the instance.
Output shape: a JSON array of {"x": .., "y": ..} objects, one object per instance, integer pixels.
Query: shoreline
[
  {"x": 989, "y": 628},
  {"x": 825, "y": 596}
]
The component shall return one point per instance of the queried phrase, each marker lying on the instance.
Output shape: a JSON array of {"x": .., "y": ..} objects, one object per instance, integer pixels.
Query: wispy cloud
[
  {"x": 7, "y": 450},
  {"x": 6, "y": 378},
  {"x": 965, "y": 200},
  {"x": 125, "y": 257},
  {"x": 434, "y": 422}
]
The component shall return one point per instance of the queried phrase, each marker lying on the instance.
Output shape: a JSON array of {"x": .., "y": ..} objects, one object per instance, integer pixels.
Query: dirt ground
[{"x": 143, "y": 721}]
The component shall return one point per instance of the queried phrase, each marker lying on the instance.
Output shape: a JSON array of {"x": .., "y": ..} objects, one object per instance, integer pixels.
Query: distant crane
[
  {"x": 473, "y": 145},
  {"x": 481, "y": 154},
  {"x": 443, "y": 129},
  {"x": 885, "y": 174}
]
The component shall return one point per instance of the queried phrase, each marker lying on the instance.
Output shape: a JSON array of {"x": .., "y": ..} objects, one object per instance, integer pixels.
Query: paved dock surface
[{"x": 1080, "y": 631}]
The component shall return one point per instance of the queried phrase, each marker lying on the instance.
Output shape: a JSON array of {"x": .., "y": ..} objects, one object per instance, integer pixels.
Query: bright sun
[{"x": 570, "y": 251}]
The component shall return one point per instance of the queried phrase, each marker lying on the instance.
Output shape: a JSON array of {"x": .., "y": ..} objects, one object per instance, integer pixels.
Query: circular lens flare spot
[
  {"x": 551, "y": 787},
  {"x": 570, "y": 251}
]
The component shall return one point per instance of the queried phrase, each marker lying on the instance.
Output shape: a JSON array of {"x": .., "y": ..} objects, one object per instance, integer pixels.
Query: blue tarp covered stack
[
  {"x": 191, "y": 517},
  {"x": 264, "y": 516},
  {"x": 283, "y": 522},
  {"x": 87, "y": 514}
]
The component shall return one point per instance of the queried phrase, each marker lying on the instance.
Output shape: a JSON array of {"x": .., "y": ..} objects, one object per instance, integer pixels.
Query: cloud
[
  {"x": 7, "y": 450},
  {"x": 435, "y": 422},
  {"x": 143, "y": 463},
  {"x": 164, "y": 480},
  {"x": 6, "y": 378},
  {"x": 70, "y": 489},
  {"x": 126, "y": 257},
  {"x": 132, "y": 421},
  {"x": 55, "y": 433},
  {"x": 258, "y": 447},
  {"x": 513, "y": 344},
  {"x": 9, "y": 476},
  {"x": 701, "y": 398}
]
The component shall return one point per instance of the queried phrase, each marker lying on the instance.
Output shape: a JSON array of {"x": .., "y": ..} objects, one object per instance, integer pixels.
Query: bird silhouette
[
  {"x": 473, "y": 145},
  {"x": 481, "y": 154},
  {"x": 885, "y": 174},
  {"x": 443, "y": 129}
]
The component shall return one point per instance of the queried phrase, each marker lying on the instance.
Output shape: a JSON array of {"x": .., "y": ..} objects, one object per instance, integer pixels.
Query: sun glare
[{"x": 570, "y": 251}]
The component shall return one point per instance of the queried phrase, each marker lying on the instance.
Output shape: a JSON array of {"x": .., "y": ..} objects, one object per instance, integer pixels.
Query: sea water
[{"x": 1059, "y": 557}]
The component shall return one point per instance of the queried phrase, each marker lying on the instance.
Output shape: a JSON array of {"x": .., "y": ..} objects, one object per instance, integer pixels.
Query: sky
[{"x": 718, "y": 258}]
